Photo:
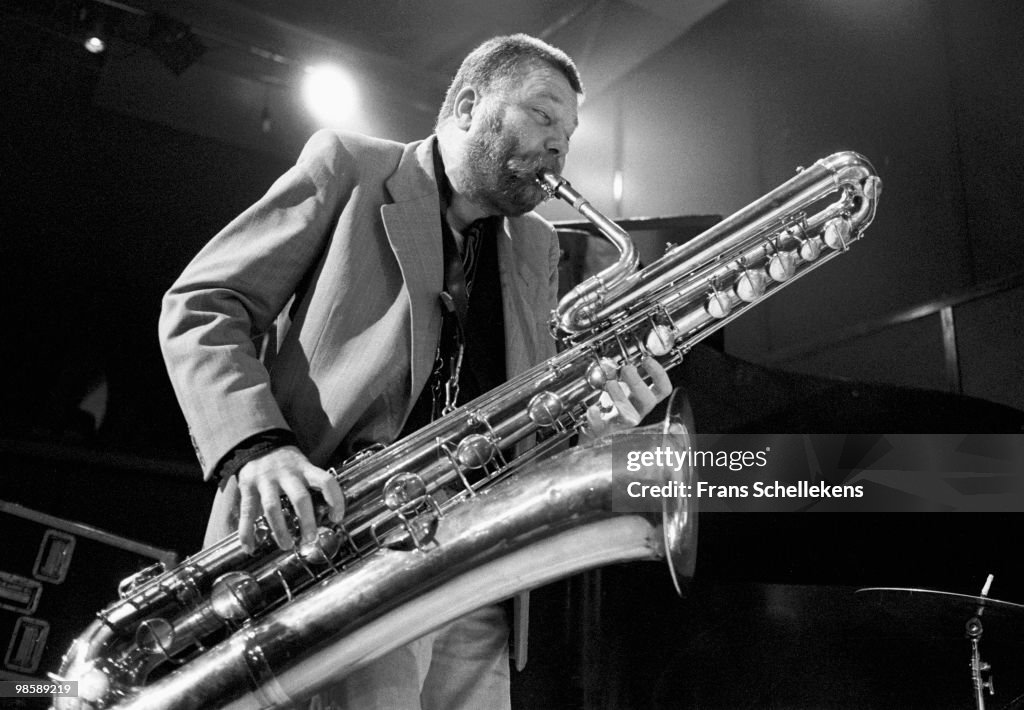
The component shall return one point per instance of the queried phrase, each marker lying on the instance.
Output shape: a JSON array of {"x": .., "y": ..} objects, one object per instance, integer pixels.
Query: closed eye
[{"x": 545, "y": 119}]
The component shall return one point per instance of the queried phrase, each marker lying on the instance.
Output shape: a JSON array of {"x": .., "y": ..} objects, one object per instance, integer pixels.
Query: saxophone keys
[
  {"x": 404, "y": 491},
  {"x": 545, "y": 408},
  {"x": 406, "y": 495},
  {"x": 413, "y": 532},
  {"x": 130, "y": 585},
  {"x": 810, "y": 249},
  {"x": 782, "y": 266},
  {"x": 601, "y": 372},
  {"x": 837, "y": 233},
  {"x": 718, "y": 305},
  {"x": 235, "y": 596},
  {"x": 323, "y": 548},
  {"x": 475, "y": 451},
  {"x": 155, "y": 636},
  {"x": 751, "y": 284},
  {"x": 660, "y": 340}
]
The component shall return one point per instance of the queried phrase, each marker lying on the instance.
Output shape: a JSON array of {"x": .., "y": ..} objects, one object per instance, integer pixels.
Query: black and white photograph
[{"x": 450, "y": 355}]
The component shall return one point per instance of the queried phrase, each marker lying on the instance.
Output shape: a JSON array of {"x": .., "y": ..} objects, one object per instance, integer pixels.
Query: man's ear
[{"x": 465, "y": 104}]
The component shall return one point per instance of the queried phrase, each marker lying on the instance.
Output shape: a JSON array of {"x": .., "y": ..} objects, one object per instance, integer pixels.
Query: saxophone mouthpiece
[
  {"x": 557, "y": 186},
  {"x": 549, "y": 182}
]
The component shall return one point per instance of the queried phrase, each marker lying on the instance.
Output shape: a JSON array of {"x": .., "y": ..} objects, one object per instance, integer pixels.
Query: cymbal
[{"x": 945, "y": 611}]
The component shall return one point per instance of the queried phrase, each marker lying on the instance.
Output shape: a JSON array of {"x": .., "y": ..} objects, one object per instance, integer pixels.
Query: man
[{"x": 349, "y": 253}]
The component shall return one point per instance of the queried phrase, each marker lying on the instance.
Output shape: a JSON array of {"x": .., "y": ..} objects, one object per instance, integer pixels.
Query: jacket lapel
[{"x": 413, "y": 226}]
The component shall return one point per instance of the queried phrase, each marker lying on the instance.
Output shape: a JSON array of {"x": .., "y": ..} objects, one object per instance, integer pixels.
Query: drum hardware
[
  {"x": 936, "y": 604},
  {"x": 974, "y": 630}
]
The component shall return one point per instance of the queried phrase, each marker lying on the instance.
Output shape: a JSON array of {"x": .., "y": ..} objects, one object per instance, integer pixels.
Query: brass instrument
[{"x": 449, "y": 519}]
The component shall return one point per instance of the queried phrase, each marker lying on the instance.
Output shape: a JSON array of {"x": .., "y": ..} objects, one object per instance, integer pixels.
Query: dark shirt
[
  {"x": 484, "y": 364},
  {"x": 483, "y": 332}
]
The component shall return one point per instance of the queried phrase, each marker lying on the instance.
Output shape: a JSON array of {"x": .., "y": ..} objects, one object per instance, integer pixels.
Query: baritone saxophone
[{"x": 468, "y": 511}]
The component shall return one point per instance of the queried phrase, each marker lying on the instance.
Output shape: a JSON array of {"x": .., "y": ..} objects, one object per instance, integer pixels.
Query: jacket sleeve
[{"x": 233, "y": 290}]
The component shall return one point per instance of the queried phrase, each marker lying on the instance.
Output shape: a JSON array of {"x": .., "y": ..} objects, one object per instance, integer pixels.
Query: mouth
[
  {"x": 528, "y": 169},
  {"x": 522, "y": 179}
]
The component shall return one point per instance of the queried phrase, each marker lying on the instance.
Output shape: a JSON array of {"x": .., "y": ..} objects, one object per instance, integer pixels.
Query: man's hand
[
  {"x": 627, "y": 400},
  {"x": 283, "y": 472}
]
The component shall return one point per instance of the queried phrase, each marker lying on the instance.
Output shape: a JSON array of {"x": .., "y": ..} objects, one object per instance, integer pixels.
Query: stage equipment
[
  {"x": 53, "y": 575},
  {"x": 935, "y": 606},
  {"x": 465, "y": 512}
]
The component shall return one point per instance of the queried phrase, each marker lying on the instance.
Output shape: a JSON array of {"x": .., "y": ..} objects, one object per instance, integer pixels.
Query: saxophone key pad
[
  {"x": 406, "y": 495},
  {"x": 155, "y": 636},
  {"x": 601, "y": 372},
  {"x": 837, "y": 233},
  {"x": 475, "y": 451},
  {"x": 810, "y": 249},
  {"x": 660, "y": 340},
  {"x": 782, "y": 266},
  {"x": 751, "y": 284},
  {"x": 718, "y": 305},
  {"x": 321, "y": 550},
  {"x": 404, "y": 491},
  {"x": 235, "y": 596},
  {"x": 545, "y": 408}
]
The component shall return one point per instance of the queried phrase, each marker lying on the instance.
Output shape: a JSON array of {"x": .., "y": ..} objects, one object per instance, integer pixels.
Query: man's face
[{"x": 515, "y": 134}]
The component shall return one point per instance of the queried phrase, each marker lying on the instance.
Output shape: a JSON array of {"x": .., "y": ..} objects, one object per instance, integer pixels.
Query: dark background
[{"x": 115, "y": 170}]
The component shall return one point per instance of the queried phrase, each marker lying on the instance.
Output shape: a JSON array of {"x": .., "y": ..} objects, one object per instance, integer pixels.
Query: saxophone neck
[{"x": 579, "y": 309}]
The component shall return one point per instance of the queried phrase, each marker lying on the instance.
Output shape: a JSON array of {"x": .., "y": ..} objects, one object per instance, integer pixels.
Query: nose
[
  {"x": 557, "y": 140},
  {"x": 558, "y": 147}
]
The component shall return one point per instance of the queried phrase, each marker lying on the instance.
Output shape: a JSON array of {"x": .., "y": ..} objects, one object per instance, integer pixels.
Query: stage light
[
  {"x": 330, "y": 94},
  {"x": 95, "y": 43},
  {"x": 93, "y": 19}
]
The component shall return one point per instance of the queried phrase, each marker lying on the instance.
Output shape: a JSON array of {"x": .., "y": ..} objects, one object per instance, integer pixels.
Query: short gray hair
[{"x": 500, "y": 60}]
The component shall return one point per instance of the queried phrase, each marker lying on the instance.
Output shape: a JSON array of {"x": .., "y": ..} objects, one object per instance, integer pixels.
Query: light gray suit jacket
[{"x": 343, "y": 254}]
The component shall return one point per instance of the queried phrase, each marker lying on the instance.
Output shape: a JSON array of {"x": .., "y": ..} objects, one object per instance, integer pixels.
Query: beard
[{"x": 500, "y": 176}]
